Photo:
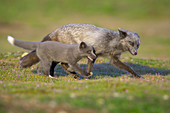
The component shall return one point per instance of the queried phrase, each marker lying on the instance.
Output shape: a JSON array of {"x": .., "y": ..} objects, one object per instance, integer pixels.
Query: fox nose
[{"x": 135, "y": 53}]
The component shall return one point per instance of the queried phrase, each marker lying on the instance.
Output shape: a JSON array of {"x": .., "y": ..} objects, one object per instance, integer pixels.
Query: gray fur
[
  {"x": 51, "y": 53},
  {"x": 104, "y": 41}
]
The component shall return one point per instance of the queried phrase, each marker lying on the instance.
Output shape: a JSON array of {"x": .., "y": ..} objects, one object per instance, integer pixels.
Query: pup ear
[
  {"x": 122, "y": 32},
  {"x": 83, "y": 45}
]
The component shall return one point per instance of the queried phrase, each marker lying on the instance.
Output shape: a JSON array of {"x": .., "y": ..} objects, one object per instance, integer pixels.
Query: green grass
[
  {"x": 110, "y": 90},
  {"x": 22, "y": 90},
  {"x": 31, "y": 20},
  {"x": 33, "y": 11}
]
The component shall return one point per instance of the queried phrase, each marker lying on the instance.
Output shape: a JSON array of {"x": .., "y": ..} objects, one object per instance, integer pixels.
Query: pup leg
[
  {"x": 115, "y": 61},
  {"x": 66, "y": 66},
  {"x": 40, "y": 68},
  {"x": 53, "y": 64},
  {"x": 29, "y": 59},
  {"x": 79, "y": 70},
  {"x": 46, "y": 67}
]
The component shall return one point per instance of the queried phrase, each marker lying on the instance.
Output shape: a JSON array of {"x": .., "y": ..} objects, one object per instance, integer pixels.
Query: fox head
[
  {"x": 130, "y": 41},
  {"x": 87, "y": 50}
]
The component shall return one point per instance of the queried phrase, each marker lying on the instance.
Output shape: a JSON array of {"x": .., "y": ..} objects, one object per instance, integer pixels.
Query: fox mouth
[
  {"x": 90, "y": 58},
  {"x": 133, "y": 53}
]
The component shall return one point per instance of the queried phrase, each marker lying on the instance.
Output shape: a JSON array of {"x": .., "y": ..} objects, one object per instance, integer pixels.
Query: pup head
[
  {"x": 129, "y": 40},
  {"x": 87, "y": 50}
]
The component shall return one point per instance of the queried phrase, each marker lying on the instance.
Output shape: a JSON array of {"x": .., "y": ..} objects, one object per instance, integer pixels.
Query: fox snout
[{"x": 133, "y": 51}]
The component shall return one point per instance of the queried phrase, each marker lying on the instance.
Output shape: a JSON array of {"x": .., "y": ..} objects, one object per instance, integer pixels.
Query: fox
[
  {"x": 105, "y": 42},
  {"x": 51, "y": 53}
]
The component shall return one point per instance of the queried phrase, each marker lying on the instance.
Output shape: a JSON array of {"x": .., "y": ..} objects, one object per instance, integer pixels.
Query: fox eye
[{"x": 131, "y": 43}]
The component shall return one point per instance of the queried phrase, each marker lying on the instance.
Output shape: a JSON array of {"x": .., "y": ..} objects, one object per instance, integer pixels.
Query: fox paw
[
  {"x": 51, "y": 76},
  {"x": 90, "y": 74},
  {"x": 76, "y": 76}
]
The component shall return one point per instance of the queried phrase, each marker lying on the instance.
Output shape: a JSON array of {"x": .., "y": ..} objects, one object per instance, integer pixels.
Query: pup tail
[{"x": 23, "y": 44}]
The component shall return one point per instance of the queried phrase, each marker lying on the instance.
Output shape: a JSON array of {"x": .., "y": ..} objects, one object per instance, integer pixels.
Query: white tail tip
[{"x": 11, "y": 40}]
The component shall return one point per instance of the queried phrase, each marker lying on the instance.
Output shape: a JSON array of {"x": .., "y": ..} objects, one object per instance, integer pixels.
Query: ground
[{"x": 109, "y": 90}]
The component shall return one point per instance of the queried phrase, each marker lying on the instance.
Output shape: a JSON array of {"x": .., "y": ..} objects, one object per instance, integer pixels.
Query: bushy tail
[{"x": 23, "y": 44}]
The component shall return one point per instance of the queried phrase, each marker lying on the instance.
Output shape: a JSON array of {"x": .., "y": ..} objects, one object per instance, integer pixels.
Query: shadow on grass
[{"x": 106, "y": 69}]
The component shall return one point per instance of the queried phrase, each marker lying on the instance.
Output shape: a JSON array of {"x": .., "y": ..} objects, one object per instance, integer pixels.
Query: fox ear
[
  {"x": 122, "y": 32},
  {"x": 83, "y": 45}
]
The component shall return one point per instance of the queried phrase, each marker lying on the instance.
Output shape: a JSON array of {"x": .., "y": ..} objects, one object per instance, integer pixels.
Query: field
[
  {"x": 22, "y": 90},
  {"x": 109, "y": 90}
]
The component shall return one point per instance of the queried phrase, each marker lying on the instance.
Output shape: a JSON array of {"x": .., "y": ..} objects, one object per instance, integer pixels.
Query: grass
[
  {"x": 32, "y": 20},
  {"x": 109, "y": 90},
  {"x": 33, "y": 11}
]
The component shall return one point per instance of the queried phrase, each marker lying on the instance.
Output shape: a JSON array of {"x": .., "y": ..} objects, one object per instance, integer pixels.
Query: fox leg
[
  {"x": 115, "y": 61},
  {"x": 90, "y": 65},
  {"x": 40, "y": 68},
  {"x": 29, "y": 59},
  {"x": 73, "y": 73},
  {"x": 53, "y": 64},
  {"x": 46, "y": 68},
  {"x": 79, "y": 70}
]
